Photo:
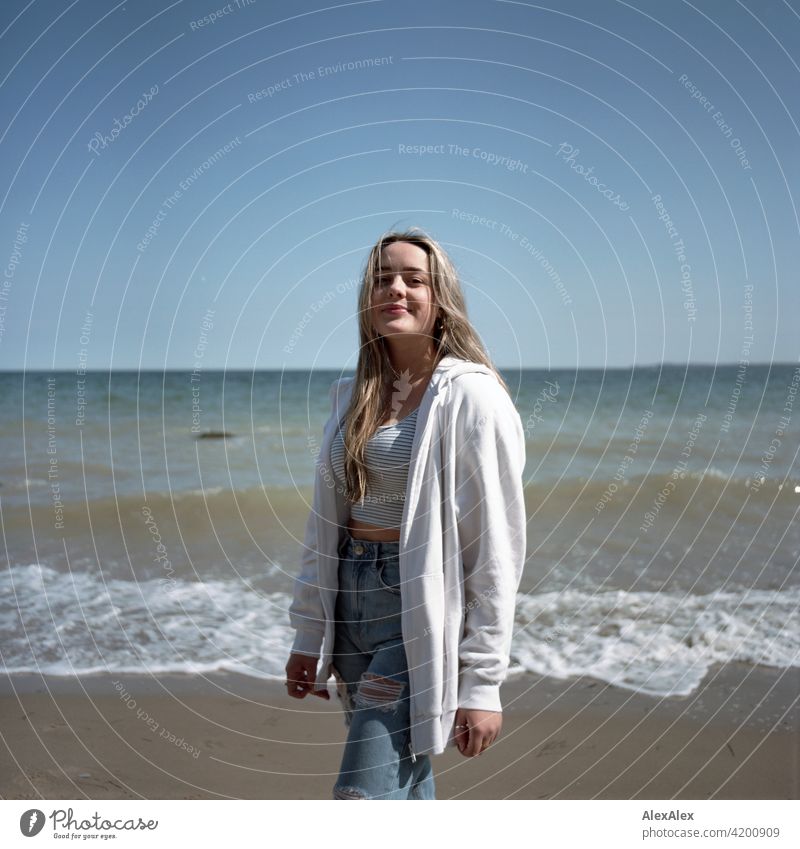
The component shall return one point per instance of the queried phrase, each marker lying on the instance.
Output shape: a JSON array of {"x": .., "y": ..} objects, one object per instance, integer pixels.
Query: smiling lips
[{"x": 395, "y": 308}]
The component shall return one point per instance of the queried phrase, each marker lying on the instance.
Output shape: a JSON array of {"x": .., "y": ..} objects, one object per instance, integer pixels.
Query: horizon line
[{"x": 216, "y": 370}]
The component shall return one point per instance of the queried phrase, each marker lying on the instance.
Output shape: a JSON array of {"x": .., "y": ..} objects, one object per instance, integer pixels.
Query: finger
[
  {"x": 310, "y": 684},
  {"x": 296, "y": 683},
  {"x": 461, "y": 732},
  {"x": 467, "y": 733},
  {"x": 310, "y": 673},
  {"x": 476, "y": 738},
  {"x": 297, "y": 689},
  {"x": 484, "y": 746}
]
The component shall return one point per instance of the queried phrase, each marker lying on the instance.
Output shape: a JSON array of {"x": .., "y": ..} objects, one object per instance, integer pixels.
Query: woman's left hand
[{"x": 476, "y": 730}]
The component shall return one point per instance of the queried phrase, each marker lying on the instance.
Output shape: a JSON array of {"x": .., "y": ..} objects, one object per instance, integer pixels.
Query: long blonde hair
[{"x": 453, "y": 335}]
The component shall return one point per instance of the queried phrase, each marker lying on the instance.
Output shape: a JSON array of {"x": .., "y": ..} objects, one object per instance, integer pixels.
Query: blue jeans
[{"x": 371, "y": 670}]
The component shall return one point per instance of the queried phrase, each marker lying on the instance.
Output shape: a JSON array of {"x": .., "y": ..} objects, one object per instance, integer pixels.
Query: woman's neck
[{"x": 414, "y": 362}]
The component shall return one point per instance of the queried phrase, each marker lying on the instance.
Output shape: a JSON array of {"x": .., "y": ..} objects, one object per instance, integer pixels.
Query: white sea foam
[
  {"x": 658, "y": 643},
  {"x": 655, "y": 642},
  {"x": 63, "y": 624}
]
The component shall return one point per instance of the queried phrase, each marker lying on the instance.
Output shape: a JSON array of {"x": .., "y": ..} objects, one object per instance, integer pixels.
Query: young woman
[{"x": 415, "y": 543}]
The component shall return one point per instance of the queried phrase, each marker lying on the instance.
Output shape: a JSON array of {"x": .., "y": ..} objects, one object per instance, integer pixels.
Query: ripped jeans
[{"x": 371, "y": 670}]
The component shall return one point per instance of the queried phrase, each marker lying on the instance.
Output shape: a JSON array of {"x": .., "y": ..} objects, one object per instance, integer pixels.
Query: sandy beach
[{"x": 227, "y": 736}]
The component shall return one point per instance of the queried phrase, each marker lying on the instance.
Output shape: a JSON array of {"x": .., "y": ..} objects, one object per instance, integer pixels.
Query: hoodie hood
[{"x": 451, "y": 367}]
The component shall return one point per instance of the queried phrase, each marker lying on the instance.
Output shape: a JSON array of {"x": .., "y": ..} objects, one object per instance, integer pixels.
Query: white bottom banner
[{"x": 611, "y": 824}]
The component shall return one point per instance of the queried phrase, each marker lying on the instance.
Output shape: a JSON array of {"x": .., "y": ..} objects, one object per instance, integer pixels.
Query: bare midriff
[{"x": 371, "y": 533}]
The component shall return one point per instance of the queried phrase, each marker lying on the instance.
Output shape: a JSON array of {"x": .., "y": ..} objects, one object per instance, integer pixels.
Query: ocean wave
[
  {"x": 652, "y": 642},
  {"x": 655, "y": 642}
]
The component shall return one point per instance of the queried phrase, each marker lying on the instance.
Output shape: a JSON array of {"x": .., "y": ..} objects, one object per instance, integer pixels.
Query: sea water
[{"x": 662, "y": 520}]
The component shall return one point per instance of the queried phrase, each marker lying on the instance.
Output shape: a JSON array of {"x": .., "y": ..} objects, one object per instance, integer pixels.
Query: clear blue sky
[{"x": 573, "y": 115}]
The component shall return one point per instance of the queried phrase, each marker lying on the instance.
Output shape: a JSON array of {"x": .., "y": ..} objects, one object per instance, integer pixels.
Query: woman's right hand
[{"x": 301, "y": 676}]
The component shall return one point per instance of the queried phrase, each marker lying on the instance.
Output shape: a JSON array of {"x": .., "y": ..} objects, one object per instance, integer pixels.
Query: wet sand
[{"x": 227, "y": 736}]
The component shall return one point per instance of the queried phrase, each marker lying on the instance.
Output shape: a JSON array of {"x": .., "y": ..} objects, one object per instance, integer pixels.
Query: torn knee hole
[
  {"x": 348, "y": 793},
  {"x": 378, "y": 692}
]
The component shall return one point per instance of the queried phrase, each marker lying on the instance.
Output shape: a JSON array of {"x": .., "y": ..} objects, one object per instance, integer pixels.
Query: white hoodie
[{"x": 461, "y": 553}]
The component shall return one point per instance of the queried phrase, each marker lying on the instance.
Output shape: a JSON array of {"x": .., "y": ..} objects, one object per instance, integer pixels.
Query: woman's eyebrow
[{"x": 407, "y": 268}]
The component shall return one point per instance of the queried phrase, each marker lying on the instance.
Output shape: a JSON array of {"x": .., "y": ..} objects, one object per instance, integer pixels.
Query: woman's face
[{"x": 406, "y": 282}]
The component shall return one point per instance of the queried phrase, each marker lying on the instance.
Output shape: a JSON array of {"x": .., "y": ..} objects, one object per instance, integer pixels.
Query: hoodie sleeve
[
  {"x": 306, "y": 614},
  {"x": 490, "y": 507}
]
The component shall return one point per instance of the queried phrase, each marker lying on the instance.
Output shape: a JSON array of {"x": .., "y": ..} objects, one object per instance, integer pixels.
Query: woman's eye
[{"x": 386, "y": 281}]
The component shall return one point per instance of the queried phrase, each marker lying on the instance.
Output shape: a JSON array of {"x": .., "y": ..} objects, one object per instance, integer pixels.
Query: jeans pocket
[{"x": 389, "y": 575}]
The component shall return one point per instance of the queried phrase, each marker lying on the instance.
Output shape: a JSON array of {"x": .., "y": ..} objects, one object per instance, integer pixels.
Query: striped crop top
[{"x": 388, "y": 456}]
